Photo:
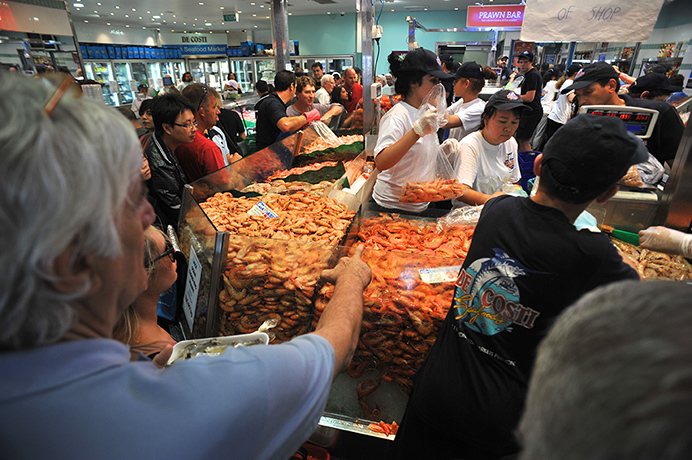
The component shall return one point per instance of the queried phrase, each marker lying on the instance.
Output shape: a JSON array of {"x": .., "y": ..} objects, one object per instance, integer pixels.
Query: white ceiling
[{"x": 194, "y": 15}]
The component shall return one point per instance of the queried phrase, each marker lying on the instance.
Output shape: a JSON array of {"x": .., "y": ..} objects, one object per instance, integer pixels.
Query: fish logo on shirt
[{"x": 486, "y": 298}]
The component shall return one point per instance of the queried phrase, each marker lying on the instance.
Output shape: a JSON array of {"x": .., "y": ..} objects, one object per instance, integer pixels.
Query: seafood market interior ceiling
[{"x": 189, "y": 16}]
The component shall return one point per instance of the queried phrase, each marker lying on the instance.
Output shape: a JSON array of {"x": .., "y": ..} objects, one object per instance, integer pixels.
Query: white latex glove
[
  {"x": 427, "y": 124},
  {"x": 443, "y": 119},
  {"x": 450, "y": 147},
  {"x": 666, "y": 240}
]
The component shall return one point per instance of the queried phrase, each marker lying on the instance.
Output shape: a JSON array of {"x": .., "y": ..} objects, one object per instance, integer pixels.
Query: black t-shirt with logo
[{"x": 526, "y": 264}]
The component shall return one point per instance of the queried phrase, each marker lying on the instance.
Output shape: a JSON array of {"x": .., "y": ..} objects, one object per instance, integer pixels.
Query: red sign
[
  {"x": 6, "y": 18},
  {"x": 495, "y": 17}
]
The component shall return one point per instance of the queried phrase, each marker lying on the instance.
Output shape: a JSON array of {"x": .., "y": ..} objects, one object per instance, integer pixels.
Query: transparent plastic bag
[
  {"x": 324, "y": 132},
  {"x": 650, "y": 171},
  {"x": 432, "y": 175},
  {"x": 467, "y": 215}
]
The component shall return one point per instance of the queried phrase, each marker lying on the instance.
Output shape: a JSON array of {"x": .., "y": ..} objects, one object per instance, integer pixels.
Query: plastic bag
[
  {"x": 467, "y": 215},
  {"x": 432, "y": 176},
  {"x": 324, "y": 132},
  {"x": 651, "y": 171}
]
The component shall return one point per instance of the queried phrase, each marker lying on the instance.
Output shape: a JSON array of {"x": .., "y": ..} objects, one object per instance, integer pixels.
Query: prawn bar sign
[
  {"x": 494, "y": 17},
  {"x": 590, "y": 20}
]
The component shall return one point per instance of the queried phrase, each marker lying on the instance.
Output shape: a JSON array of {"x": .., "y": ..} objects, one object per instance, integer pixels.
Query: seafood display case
[{"x": 246, "y": 280}]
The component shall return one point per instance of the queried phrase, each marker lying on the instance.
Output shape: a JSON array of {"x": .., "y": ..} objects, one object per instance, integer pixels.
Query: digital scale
[{"x": 638, "y": 120}]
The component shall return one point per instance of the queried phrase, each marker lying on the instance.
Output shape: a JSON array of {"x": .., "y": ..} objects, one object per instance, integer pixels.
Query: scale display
[{"x": 639, "y": 121}]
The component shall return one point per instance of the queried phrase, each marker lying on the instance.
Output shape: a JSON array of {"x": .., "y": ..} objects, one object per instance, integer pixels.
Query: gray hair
[
  {"x": 64, "y": 180},
  {"x": 325, "y": 78},
  {"x": 613, "y": 378}
]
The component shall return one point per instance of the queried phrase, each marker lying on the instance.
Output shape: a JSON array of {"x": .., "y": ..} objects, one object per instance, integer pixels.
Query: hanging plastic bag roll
[{"x": 432, "y": 176}]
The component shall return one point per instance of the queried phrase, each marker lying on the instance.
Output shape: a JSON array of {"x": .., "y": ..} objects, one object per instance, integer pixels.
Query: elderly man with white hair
[
  {"x": 613, "y": 378},
  {"x": 73, "y": 212},
  {"x": 323, "y": 95}
]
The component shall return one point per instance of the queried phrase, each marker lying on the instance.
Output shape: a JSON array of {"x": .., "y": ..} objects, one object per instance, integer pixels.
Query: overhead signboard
[
  {"x": 494, "y": 17},
  {"x": 230, "y": 17},
  {"x": 590, "y": 20}
]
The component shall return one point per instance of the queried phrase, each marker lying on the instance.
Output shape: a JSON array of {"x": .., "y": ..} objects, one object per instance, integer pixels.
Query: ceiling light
[
  {"x": 35, "y": 18},
  {"x": 140, "y": 17},
  {"x": 86, "y": 20},
  {"x": 226, "y": 31},
  {"x": 174, "y": 15},
  {"x": 99, "y": 3},
  {"x": 201, "y": 3},
  {"x": 117, "y": 7},
  {"x": 127, "y": 15},
  {"x": 175, "y": 22},
  {"x": 328, "y": 12},
  {"x": 156, "y": 16},
  {"x": 255, "y": 26},
  {"x": 290, "y": 14},
  {"x": 207, "y": 23},
  {"x": 172, "y": 30},
  {"x": 134, "y": 9},
  {"x": 239, "y": 12},
  {"x": 221, "y": 7},
  {"x": 254, "y": 15},
  {"x": 96, "y": 12},
  {"x": 253, "y": 3},
  {"x": 127, "y": 25},
  {"x": 78, "y": 5},
  {"x": 391, "y": 10},
  {"x": 108, "y": 23},
  {"x": 456, "y": 9},
  {"x": 148, "y": 12},
  {"x": 143, "y": 27},
  {"x": 112, "y": 13}
]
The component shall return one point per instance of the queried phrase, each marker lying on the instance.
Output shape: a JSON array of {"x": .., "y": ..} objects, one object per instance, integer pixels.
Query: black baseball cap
[
  {"x": 470, "y": 69},
  {"x": 659, "y": 68},
  {"x": 589, "y": 154},
  {"x": 506, "y": 100},
  {"x": 426, "y": 61},
  {"x": 653, "y": 82},
  {"x": 526, "y": 55},
  {"x": 446, "y": 58},
  {"x": 592, "y": 73},
  {"x": 572, "y": 69}
]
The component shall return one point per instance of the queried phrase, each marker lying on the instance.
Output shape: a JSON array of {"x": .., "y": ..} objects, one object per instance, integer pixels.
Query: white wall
[{"x": 88, "y": 33}]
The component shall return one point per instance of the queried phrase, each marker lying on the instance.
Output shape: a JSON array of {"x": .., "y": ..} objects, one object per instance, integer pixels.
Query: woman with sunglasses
[
  {"x": 398, "y": 148},
  {"x": 138, "y": 326}
]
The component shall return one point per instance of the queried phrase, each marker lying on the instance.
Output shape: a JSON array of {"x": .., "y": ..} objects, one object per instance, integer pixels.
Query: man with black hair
[
  {"x": 506, "y": 72},
  {"x": 652, "y": 86},
  {"x": 598, "y": 84},
  {"x": 531, "y": 89},
  {"x": 526, "y": 264},
  {"x": 271, "y": 111},
  {"x": 317, "y": 73},
  {"x": 175, "y": 125},
  {"x": 262, "y": 88}
]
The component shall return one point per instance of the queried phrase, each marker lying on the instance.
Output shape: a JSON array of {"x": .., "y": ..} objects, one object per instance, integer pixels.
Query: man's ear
[
  {"x": 537, "y": 165},
  {"x": 168, "y": 129},
  {"x": 608, "y": 194},
  {"x": 645, "y": 95},
  {"x": 72, "y": 276}
]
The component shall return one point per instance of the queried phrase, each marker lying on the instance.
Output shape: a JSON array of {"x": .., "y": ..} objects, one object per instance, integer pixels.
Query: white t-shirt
[
  {"x": 548, "y": 96},
  {"x": 393, "y": 126},
  {"x": 485, "y": 167},
  {"x": 470, "y": 115},
  {"x": 563, "y": 107},
  {"x": 322, "y": 96}
]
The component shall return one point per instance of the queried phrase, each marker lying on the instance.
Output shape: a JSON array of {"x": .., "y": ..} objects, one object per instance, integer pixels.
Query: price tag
[
  {"x": 194, "y": 273},
  {"x": 439, "y": 274},
  {"x": 261, "y": 209}
]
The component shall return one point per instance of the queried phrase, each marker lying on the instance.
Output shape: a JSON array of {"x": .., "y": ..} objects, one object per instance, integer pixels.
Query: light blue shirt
[{"x": 85, "y": 399}]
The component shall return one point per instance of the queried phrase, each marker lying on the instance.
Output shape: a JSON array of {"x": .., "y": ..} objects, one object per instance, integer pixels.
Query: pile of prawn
[
  {"x": 302, "y": 216},
  {"x": 435, "y": 190},
  {"x": 322, "y": 143},
  {"x": 402, "y": 314},
  {"x": 302, "y": 169},
  {"x": 270, "y": 279},
  {"x": 653, "y": 265}
]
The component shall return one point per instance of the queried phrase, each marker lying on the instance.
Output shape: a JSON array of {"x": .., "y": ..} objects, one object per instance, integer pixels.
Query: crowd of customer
[{"x": 83, "y": 350}]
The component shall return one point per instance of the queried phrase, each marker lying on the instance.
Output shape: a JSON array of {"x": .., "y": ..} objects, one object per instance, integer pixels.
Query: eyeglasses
[
  {"x": 169, "y": 252},
  {"x": 189, "y": 125},
  {"x": 63, "y": 87},
  {"x": 204, "y": 96}
]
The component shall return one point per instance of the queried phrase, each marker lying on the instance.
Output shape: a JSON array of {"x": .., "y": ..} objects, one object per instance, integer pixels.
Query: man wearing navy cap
[
  {"x": 652, "y": 86},
  {"x": 598, "y": 84},
  {"x": 527, "y": 263},
  {"x": 531, "y": 89}
]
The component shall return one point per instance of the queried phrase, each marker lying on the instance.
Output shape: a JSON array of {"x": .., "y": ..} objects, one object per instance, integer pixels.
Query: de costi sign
[{"x": 590, "y": 20}]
